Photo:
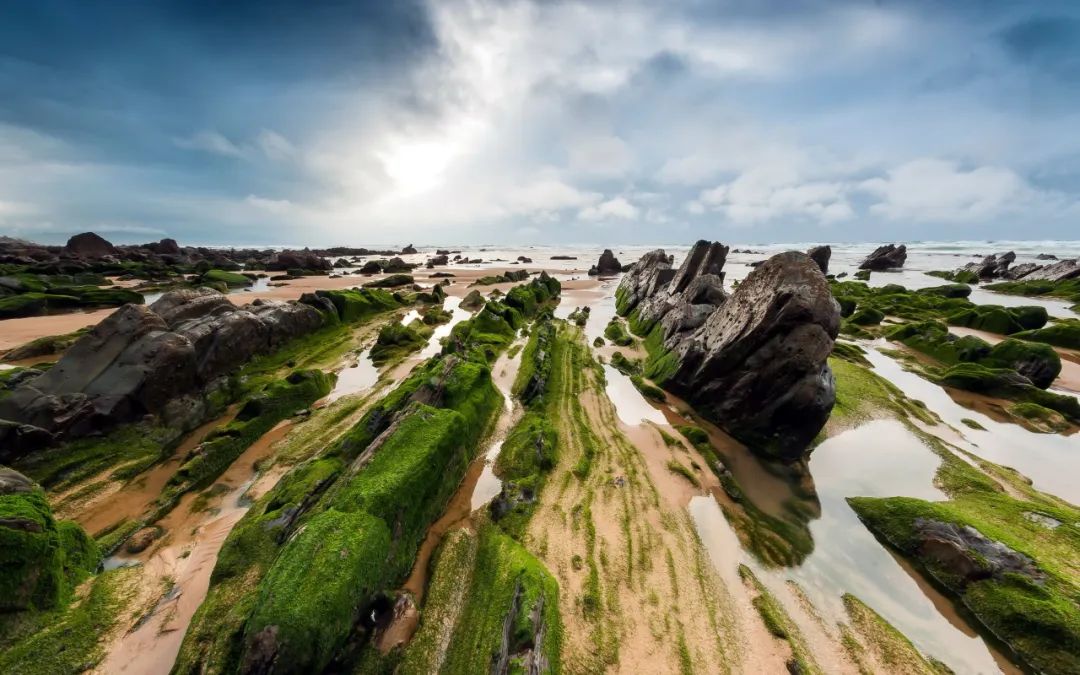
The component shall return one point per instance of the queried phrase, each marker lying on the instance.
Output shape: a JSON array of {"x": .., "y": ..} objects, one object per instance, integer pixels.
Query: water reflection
[
  {"x": 355, "y": 378},
  {"x": 630, "y": 405},
  {"x": 1052, "y": 461}
]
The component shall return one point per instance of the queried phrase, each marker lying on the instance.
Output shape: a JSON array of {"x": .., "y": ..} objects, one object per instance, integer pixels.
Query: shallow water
[
  {"x": 630, "y": 404},
  {"x": 355, "y": 378},
  {"x": 434, "y": 345},
  {"x": 1051, "y": 461}
]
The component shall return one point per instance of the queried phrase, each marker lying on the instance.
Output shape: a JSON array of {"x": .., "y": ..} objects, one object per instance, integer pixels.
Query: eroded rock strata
[{"x": 755, "y": 362}]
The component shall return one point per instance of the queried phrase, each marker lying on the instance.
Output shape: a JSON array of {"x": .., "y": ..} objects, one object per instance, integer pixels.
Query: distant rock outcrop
[
  {"x": 821, "y": 255},
  {"x": 88, "y": 245},
  {"x": 886, "y": 257},
  {"x": 756, "y": 363},
  {"x": 146, "y": 360},
  {"x": 1059, "y": 271},
  {"x": 607, "y": 265},
  {"x": 304, "y": 260}
]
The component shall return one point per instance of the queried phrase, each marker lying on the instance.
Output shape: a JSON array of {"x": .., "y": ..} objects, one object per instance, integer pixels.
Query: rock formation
[
  {"x": 885, "y": 257},
  {"x": 88, "y": 245},
  {"x": 146, "y": 360},
  {"x": 607, "y": 265},
  {"x": 304, "y": 260},
  {"x": 821, "y": 256},
  {"x": 755, "y": 362},
  {"x": 1059, "y": 271}
]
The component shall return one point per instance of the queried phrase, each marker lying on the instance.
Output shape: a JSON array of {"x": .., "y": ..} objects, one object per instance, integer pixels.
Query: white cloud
[
  {"x": 618, "y": 208},
  {"x": 775, "y": 192},
  {"x": 604, "y": 156},
  {"x": 211, "y": 142},
  {"x": 274, "y": 145},
  {"x": 937, "y": 190},
  {"x": 275, "y": 206}
]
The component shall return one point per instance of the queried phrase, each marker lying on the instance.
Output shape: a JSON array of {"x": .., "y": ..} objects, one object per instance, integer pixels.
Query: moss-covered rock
[
  {"x": 358, "y": 304},
  {"x": 1037, "y": 362},
  {"x": 396, "y": 340},
  {"x": 866, "y": 316},
  {"x": 41, "y": 559},
  {"x": 1061, "y": 333},
  {"x": 391, "y": 281},
  {"x": 230, "y": 279},
  {"x": 1007, "y": 383},
  {"x": 309, "y": 600}
]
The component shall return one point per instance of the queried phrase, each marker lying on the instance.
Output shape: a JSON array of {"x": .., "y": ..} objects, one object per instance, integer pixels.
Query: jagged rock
[
  {"x": 1020, "y": 271},
  {"x": 88, "y": 245},
  {"x": 305, "y": 260},
  {"x": 524, "y": 259},
  {"x": 650, "y": 274},
  {"x": 408, "y": 250},
  {"x": 992, "y": 266},
  {"x": 1059, "y": 271},
  {"x": 607, "y": 265},
  {"x": 755, "y": 362},
  {"x": 885, "y": 257},
  {"x": 1046, "y": 256},
  {"x": 821, "y": 256}
]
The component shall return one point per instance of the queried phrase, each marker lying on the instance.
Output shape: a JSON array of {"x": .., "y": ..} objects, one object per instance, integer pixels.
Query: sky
[{"x": 277, "y": 122}]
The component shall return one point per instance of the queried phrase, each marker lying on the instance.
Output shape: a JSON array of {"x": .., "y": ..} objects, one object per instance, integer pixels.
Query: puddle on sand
[
  {"x": 355, "y": 377},
  {"x": 1051, "y": 461},
  {"x": 409, "y": 317},
  {"x": 187, "y": 556},
  {"x": 134, "y": 498},
  {"x": 630, "y": 404},
  {"x": 880, "y": 458},
  {"x": 434, "y": 345}
]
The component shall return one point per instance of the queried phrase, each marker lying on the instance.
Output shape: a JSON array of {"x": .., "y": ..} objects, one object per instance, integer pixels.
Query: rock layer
[
  {"x": 756, "y": 363},
  {"x": 146, "y": 360},
  {"x": 885, "y": 257}
]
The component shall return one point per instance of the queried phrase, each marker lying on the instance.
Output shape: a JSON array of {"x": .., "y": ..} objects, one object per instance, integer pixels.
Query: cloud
[
  {"x": 605, "y": 156},
  {"x": 938, "y": 190},
  {"x": 617, "y": 208},
  {"x": 211, "y": 142},
  {"x": 774, "y": 192}
]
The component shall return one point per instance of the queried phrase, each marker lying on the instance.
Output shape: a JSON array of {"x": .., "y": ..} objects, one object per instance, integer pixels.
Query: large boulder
[
  {"x": 993, "y": 266},
  {"x": 648, "y": 275},
  {"x": 88, "y": 245},
  {"x": 607, "y": 265},
  {"x": 305, "y": 260},
  {"x": 680, "y": 299},
  {"x": 885, "y": 257},
  {"x": 142, "y": 360},
  {"x": 821, "y": 256}
]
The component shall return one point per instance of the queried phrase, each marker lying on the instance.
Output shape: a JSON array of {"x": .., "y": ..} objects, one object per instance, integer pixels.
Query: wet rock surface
[
  {"x": 887, "y": 257},
  {"x": 821, "y": 255},
  {"x": 607, "y": 265},
  {"x": 755, "y": 362},
  {"x": 966, "y": 554},
  {"x": 146, "y": 360}
]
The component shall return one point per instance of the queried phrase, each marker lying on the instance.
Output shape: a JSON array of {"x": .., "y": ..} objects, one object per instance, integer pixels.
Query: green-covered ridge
[
  {"x": 1032, "y": 606},
  {"x": 398, "y": 466}
]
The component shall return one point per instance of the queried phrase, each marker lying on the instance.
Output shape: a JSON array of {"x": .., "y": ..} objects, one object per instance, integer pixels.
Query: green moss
[
  {"x": 278, "y": 401},
  {"x": 850, "y": 351},
  {"x": 1040, "y": 419},
  {"x": 231, "y": 279},
  {"x": 307, "y": 603},
  {"x": 1068, "y": 289},
  {"x": 1037, "y": 362},
  {"x": 780, "y": 624},
  {"x": 70, "y": 640},
  {"x": 616, "y": 333},
  {"x": 1040, "y": 621},
  {"x": 1003, "y": 382},
  {"x": 677, "y": 467},
  {"x": 396, "y": 340},
  {"x": 530, "y": 447},
  {"x": 41, "y": 559},
  {"x": 511, "y": 595},
  {"x": 661, "y": 363},
  {"x": 862, "y": 394},
  {"x": 1061, "y": 333},
  {"x": 391, "y": 281},
  {"x": 625, "y": 365},
  {"x": 44, "y": 346},
  {"x": 862, "y": 275},
  {"x": 892, "y": 647},
  {"x": 866, "y": 316},
  {"x": 972, "y": 424},
  {"x": 359, "y": 304},
  {"x": 958, "y": 276},
  {"x": 647, "y": 390}
]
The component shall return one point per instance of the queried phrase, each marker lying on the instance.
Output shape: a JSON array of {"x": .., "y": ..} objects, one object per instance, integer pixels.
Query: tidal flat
[{"x": 706, "y": 461}]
